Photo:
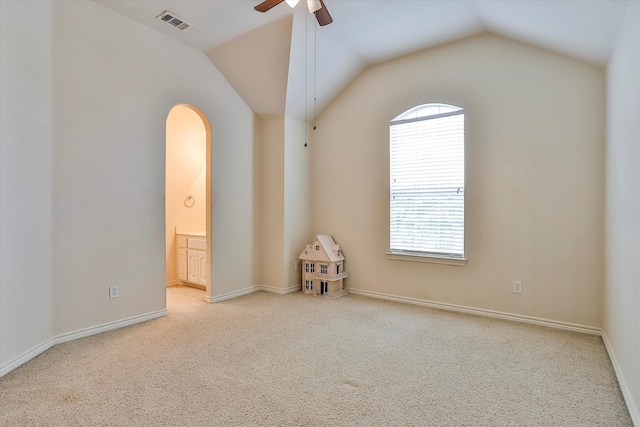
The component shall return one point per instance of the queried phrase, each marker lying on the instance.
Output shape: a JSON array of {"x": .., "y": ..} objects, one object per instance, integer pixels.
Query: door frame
[{"x": 208, "y": 192}]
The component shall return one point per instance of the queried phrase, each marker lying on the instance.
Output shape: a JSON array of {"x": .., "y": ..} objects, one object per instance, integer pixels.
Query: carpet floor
[{"x": 296, "y": 360}]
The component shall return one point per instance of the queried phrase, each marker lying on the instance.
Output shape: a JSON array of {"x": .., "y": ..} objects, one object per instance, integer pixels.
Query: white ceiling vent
[{"x": 171, "y": 19}]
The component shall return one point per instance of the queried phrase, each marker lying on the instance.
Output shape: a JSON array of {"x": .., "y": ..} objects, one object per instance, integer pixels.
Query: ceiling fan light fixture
[{"x": 314, "y": 5}]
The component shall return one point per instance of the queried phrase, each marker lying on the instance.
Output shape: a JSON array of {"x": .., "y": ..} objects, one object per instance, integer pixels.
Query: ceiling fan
[{"x": 315, "y": 6}]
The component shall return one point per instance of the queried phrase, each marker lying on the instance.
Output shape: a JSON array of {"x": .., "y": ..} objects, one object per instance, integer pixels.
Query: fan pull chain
[
  {"x": 306, "y": 84},
  {"x": 315, "y": 75}
]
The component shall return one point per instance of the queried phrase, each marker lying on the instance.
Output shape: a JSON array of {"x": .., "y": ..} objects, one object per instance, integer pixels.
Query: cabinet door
[
  {"x": 192, "y": 266},
  {"x": 182, "y": 264},
  {"x": 202, "y": 268}
]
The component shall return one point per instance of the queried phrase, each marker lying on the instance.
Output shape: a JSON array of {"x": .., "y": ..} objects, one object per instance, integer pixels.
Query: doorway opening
[{"x": 188, "y": 198}]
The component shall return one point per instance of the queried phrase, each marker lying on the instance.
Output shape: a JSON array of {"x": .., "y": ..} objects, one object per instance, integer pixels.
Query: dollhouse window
[
  {"x": 317, "y": 247},
  {"x": 323, "y": 269},
  {"x": 338, "y": 252},
  {"x": 313, "y": 268},
  {"x": 426, "y": 164},
  {"x": 306, "y": 267}
]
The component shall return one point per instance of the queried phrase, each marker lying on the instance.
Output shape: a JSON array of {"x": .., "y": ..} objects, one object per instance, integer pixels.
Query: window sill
[{"x": 433, "y": 259}]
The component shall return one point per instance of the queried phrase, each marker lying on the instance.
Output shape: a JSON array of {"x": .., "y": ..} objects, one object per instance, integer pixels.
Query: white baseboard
[
  {"x": 25, "y": 357},
  {"x": 626, "y": 393},
  {"x": 280, "y": 291},
  {"x": 93, "y": 330},
  {"x": 252, "y": 289},
  {"x": 230, "y": 295},
  {"x": 481, "y": 312},
  {"x": 81, "y": 333}
]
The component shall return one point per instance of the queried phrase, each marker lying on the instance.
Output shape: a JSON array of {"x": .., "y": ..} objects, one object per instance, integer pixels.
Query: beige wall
[
  {"x": 297, "y": 178},
  {"x": 297, "y": 203},
  {"x": 26, "y": 145},
  {"x": 285, "y": 202},
  {"x": 115, "y": 82},
  {"x": 185, "y": 175},
  {"x": 285, "y": 179},
  {"x": 272, "y": 194},
  {"x": 622, "y": 278},
  {"x": 534, "y": 178}
]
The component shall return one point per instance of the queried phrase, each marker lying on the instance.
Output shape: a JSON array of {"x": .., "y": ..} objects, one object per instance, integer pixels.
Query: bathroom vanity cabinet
[{"x": 192, "y": 259}]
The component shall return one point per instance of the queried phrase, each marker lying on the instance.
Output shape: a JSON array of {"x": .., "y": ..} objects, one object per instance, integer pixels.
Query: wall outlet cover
[
  {"x": 114, "y": 291},
  {"x": 517, "y": 286}
]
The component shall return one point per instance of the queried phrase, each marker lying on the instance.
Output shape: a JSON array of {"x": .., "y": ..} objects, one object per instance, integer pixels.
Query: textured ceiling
[{"x": 366, "y": 32}]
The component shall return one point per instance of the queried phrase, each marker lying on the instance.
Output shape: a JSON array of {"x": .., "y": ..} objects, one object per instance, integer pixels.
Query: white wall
[
  {"x": 26, "y": 319},
  {"x": 115, "y": 82},
  {"x": 534, "y": 178},
  {"x": 622, "y": 278},
  {"x": 185, "y": 175}
]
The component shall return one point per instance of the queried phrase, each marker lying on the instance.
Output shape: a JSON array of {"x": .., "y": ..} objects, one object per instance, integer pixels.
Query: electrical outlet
[
  {"x": 517, "y": 286},
  {"x": 114, "y": 291}
]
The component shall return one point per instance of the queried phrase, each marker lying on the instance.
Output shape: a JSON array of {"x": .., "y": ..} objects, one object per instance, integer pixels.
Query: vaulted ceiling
[{"x": 266, "y": 55}]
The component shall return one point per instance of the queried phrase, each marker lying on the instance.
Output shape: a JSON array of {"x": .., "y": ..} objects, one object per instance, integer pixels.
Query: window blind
[{"x": 427, "y": 185}]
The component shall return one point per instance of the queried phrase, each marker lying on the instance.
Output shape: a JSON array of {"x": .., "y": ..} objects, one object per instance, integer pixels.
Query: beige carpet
[{"x": 266, "y": 359}]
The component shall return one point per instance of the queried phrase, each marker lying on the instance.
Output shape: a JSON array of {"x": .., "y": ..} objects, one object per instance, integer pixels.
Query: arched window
[{"x": 427, "y": 182}]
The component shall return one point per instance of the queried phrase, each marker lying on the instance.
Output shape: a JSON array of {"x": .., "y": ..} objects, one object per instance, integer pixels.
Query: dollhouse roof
[{"x": 329, "y": 250}]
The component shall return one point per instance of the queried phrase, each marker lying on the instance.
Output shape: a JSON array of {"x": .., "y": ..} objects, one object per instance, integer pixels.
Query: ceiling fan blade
[
  {"x": 313, "y": 5},
  {"x": 322, "y": 15},
  {"x": 267, "y": 4}
]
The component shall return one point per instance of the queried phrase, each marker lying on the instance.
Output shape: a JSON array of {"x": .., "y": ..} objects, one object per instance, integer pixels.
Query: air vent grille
[{"x": 176, "y": 22}]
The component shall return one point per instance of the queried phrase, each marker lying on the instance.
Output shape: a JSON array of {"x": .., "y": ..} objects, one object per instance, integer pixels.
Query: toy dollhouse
[{"x": 323, "y": 270}]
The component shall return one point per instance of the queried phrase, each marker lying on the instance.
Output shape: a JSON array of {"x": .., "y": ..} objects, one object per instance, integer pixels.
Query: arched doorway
[{"x": 188, "y": 198}]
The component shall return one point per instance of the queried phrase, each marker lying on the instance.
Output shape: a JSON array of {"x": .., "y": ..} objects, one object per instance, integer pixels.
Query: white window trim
[{"x": 428, "y": 258}]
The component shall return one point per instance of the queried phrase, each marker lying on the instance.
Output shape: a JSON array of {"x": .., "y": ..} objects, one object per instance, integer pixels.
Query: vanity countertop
[
  {"x": 194, "y": 233},
  {"x": 191, "y": 230}
]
